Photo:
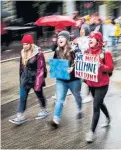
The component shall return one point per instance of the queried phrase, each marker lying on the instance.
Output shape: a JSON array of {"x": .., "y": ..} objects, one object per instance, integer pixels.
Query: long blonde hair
[{"x": 27, "y": 54}]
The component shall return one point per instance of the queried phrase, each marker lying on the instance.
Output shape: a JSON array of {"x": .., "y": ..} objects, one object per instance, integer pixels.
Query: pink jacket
[{"x": 41, "y": 67}]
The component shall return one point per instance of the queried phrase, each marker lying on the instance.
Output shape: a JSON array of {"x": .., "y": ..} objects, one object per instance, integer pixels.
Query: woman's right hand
[{"x": 70, "y": 69}]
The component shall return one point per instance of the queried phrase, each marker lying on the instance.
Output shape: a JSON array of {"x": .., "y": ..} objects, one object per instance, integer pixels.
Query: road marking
[
  {"x": 8, "y": 50},
  {"x": 10, "y": 59},
  {"x": 49, "y": 86},
  {"x": 48, "y": 51}
]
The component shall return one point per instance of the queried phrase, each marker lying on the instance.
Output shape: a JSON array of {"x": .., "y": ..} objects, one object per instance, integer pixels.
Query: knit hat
[
  {"x": 27, "y": 38},
  {"x": 65, "y": 33},
  {"x": 86, "y": 29}
]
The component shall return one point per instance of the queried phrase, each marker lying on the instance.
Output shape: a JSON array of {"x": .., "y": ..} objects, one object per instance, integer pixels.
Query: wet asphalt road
[{"x": 36, "y": 134}]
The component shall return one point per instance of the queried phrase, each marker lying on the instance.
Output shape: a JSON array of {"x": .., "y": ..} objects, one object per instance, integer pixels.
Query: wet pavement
[{"x": 36, "y": 134}]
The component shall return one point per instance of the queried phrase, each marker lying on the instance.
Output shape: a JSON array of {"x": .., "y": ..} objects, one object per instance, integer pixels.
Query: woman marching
[
  {"x": 64, "y": 51},
  {"x": 32, "y": 72},
  {"x": 100, "y": 88}
]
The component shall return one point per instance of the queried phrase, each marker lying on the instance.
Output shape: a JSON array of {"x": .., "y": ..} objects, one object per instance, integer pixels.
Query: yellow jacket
[{"x": 118, "y": 30}]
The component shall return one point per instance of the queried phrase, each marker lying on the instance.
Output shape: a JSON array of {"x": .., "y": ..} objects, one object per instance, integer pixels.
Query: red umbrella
[{"x": 55, "y": 20}]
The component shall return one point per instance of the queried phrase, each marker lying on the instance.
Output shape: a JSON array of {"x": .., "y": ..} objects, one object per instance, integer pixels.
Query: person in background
[
  {"x": 117, "y": 35},
  {"x": 75, "y": 29},
  {"x": 76, "y": 15},
  {"x": 83, "y": 43},
  {"x": 113, "y": 37},
  {"x": 63, "y": 51},
  {"x": 98, "y": 25},
  {"x": 92, "y": 22},
  {"x": 99, "y": 89},
  {"x": 108, "y": 35},
  {"x": 32, "y": 75},
  {"x": 83, "y": 40},
  {"x": 118, "y": 30}
]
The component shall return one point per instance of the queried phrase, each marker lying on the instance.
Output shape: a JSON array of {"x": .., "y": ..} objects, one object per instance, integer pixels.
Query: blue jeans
[
  {"x": 61, "y": 91},
  {"x": 114, "y": 43},
  {"x": 23, "y": 99}
]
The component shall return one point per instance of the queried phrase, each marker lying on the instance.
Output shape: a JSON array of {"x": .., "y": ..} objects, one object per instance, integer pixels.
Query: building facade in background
[
  {"x": 29, "y": 11},
  {"x": 8, "y": 7}
]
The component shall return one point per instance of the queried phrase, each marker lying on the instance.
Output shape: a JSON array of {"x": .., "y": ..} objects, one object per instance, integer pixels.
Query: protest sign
[
  {"x": 58, "y": 69},
  {"x": 86, "y": 66}
]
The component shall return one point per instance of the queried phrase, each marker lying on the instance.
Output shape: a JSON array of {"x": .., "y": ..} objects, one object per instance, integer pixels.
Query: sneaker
[
  {"x": 53, "y": 124},
  {"x": 69, "y": 93},
  {"x": 107, "y": 123},
  {"x": 87, "y": 99},
  {"x": 79, "y": 115},
  {"x": 18, "y": 121},
  {"x": 90, "y": 137},
  {"x": 54, "y": 97},
  {"x": 42, "y": 114}
]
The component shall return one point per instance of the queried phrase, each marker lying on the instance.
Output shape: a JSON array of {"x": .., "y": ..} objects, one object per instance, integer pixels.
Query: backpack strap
[{"x": 109, "y": 73}]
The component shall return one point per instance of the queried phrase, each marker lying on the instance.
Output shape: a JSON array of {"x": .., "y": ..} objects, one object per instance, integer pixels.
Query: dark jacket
[
  {"x": 72, "y": 74},
  {"x": 98, "y": 28},
  {"x": 32, "y": 75}
]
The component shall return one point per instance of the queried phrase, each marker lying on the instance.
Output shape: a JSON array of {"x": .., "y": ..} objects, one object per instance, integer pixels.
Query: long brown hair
[{"x": 66, "y": 53}]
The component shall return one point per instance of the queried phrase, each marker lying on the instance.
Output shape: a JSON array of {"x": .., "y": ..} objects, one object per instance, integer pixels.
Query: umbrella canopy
[{"x": 55, "y": 20}]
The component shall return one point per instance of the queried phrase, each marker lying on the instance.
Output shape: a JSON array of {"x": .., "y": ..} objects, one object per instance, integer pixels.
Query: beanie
[
  {"x": 86, "y": 29},
  {"x": 27, "y": 38},
  {"x": 65, "y": 33}
]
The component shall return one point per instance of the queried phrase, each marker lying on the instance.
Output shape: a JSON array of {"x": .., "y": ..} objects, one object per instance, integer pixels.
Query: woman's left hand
[
  {"x": 99, "y": 65},
  {"x": 70, "y": 69}
]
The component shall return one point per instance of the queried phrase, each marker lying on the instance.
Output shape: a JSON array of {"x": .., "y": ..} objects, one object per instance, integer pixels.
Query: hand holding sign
[
  {"x": 99, "y": 64},
  {"x": 70, "y": 69}
]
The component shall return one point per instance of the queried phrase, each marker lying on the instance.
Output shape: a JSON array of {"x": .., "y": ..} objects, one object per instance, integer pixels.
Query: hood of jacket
[
  {"x": 35, "y": 51},
  {"x": 98, "y": 48}
]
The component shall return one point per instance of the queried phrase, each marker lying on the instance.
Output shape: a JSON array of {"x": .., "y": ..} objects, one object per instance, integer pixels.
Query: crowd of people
[
  {"x": 83, "y": 38},
  {"x": 110, "y": 29}
]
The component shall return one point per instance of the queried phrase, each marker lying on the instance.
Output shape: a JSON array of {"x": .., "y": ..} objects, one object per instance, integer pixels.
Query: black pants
[
  {"x": 24, "y": 95},
  {"x": 98, "y": 94}
]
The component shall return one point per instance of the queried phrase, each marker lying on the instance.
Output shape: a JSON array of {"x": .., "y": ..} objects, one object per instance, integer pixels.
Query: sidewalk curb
[{"x": 3, "y": 61}]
